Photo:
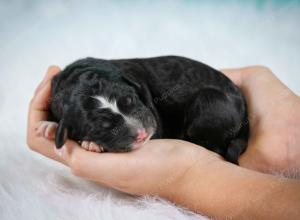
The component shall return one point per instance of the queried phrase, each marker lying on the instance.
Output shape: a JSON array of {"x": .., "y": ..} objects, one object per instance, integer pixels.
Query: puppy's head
[
  {"x": 118, "y": 119},
  {"x": 108, "y": 112}
]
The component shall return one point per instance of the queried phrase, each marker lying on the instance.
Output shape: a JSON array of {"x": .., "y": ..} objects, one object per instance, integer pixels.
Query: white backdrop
[{"x": 36, "y": 34}]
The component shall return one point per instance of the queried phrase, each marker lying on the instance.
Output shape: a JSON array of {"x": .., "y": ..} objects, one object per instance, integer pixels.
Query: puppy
[{"x": 118, "y": 105}]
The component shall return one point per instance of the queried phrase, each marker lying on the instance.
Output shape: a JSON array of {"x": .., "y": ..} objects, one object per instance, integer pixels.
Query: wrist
[
  {"x": 190, "y": 178},
  {"x": 219, "y": 189}
]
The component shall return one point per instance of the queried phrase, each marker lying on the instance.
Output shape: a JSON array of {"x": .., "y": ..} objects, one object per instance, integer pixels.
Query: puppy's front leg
[
  {"x": 46, "y": 129},
  {"x": 91, "y": 146}
]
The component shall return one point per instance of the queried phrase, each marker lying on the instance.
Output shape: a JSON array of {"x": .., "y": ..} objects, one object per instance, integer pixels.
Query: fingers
[
  {"x": 40, "y": 101},
  {"x": 92, "y": 146},
  {"x": 234, "y": 74},
  {"x": 263, "y": 90},
  {"x": 52, "y": 71},
  {"x": 238, "y": 75},
  {"x": 105, "y": 168},
  {"x": 46, "y": 129},
  {"x": 255, "y": 76},
  {"x": 38, "y": 111}
]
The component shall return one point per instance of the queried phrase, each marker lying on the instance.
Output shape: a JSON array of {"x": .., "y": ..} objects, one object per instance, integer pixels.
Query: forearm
[{"x": 225, "y": 191}]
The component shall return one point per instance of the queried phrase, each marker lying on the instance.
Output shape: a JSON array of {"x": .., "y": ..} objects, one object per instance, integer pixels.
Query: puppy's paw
[
  {"x": 46, "y": 129},
  {"x": 92, "y": 146}
]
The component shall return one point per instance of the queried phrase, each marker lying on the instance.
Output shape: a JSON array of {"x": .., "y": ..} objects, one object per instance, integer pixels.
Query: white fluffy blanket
[{"x": 35, "y": 34}]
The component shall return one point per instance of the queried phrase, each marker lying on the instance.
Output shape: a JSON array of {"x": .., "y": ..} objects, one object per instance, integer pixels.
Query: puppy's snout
[{"x": 141, "y": 136}]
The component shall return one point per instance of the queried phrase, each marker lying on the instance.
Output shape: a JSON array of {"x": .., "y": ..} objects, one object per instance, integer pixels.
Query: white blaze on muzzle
[{"x": 112, "y": 105}]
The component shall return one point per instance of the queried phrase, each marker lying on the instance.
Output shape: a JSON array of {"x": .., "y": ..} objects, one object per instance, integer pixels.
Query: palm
[
  {"x": 158, "y": 158},
  {"x": 274, "y": 121}
]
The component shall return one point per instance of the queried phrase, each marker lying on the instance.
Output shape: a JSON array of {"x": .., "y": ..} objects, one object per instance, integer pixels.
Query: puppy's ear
[
  {"x": 145, "y": 95},
  {"x": 140, "y": 87},
  {"x": 61, "y": 134},
  {"x": 132, "y": 81}
]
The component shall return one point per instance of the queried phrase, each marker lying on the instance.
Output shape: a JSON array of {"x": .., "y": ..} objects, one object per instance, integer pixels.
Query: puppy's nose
[{"x": 141, "y": 136}]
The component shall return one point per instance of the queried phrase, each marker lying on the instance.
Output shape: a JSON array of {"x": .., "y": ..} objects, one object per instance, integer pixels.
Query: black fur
[{"x": 175, "y": 96}]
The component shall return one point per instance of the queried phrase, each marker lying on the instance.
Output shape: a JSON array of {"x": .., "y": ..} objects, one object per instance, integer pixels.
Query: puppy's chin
[
  {"x": 128, "y": 145},
  {"x": 135, "y": 145}
]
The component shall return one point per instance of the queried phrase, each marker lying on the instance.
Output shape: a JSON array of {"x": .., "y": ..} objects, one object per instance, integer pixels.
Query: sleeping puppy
[{"x": 118, "y": 105}]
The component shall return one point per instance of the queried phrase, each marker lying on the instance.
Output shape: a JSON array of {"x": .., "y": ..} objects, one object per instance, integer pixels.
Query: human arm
[
  {"x": 192, "y": 177},
  {"x": 274, "y": 116},
  {"x": 274, "y": 144},
  {"x": 179, "y": 171}
]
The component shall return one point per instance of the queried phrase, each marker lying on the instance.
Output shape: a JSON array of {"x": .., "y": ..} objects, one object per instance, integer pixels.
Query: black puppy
[{"x": 117, "y": 105}]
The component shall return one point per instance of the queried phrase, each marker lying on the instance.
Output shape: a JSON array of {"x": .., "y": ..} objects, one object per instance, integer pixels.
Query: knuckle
[
  {"x": 254, "y": 71},
  {"x": 53, "y": 67},
  {"x": 259, "y": 69},
  {"x": 263, "y": 69},
  {"x": 53, "y": 70}
]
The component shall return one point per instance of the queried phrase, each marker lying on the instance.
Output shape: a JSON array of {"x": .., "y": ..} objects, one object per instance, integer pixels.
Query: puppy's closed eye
[
  {"x": 89, "y": 103},
  {"x": 106, "y": 124},
  {"x": 126, "y": 103}
]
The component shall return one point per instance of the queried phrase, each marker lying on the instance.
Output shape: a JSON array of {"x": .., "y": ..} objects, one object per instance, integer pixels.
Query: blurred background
[{"x": 37, "y": 33}]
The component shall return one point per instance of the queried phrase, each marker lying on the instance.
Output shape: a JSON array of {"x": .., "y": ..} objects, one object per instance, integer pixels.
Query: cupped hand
[
  {"x": 274, "y": 117},
  {"x": 158, "y": 166},
  {"x": 154, "y": 169},
  {"x": 38, "y": 111},
  {"x": 184, "y": 172}
]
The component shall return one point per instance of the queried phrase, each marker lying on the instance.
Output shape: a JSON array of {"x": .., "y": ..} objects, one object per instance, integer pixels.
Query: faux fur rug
[{"x": 35, "y": 34}]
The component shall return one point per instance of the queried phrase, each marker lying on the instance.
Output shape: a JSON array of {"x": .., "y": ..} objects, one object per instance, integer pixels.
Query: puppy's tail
[{"x": 235, "y": 148}]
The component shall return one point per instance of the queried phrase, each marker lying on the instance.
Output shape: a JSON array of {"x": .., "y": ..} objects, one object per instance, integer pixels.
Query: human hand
[
  {"x": 184, "y": 172},
  {"x": 167, "y": 156},
  {"x": 274, "y": 116},
  {"x": 38, "y": 112},
  {"x": 152, "y": 169}
]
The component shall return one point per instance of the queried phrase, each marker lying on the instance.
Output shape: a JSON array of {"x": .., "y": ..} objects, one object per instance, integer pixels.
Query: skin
[
  {"x": 274, "y": 121},
  {"x": 183, "y": 172}
]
